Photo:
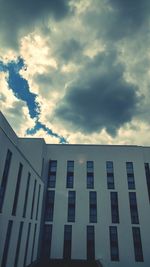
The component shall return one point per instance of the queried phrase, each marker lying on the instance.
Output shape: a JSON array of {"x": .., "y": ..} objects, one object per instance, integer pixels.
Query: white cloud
[{"x": 49, "y": 139}]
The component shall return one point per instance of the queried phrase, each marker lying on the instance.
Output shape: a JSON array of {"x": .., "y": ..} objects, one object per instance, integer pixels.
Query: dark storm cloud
[
  {"x": 69, "y": 50},
  {"x": 120, "y": 19},
  {"x": 17, "y": 15},
  {"x": 101, "y": 98},
  {"x": 130, "y": 17}
]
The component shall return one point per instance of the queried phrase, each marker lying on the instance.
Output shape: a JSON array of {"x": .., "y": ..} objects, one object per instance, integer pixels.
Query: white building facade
[{"x": 80, "y": 202}]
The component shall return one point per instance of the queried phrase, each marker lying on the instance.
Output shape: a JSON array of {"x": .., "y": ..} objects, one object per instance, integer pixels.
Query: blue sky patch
[
  {"x": 20, "y": 86},
  {"x": 39, "y": 126}
]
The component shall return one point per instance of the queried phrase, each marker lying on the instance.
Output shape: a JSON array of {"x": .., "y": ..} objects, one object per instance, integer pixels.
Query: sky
[{"x": 76, "y": 71}]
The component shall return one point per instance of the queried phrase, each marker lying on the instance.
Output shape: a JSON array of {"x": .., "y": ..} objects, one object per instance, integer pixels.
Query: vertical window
[
  {"x": 17, "y": 190},
  {"x": 7, "y": 243},
  {"x": 27, "y": 244},
  {"x": 90, "y": 243},
  {"x": 37, "y": 209},
  {"x": 93, "y": 207},
  {"x": 138, "y": 252},
  {"x": 18, "y": 245},
  {"x": 32, "y": 253},
  {"x": 67, "y": 242},
  {"x": 130, "y": 175},
  {"x": 114, "y": 250},
  {"x": 5, "y": 178},
  {"x": 26, "y": 196},
  {"x": 133, "y": 208},
  {"x": 49, "y": 209},
  {"x": 90, "y": 174},
  {"x": 33, "y": 199},
  {"x": 70, "y": 173},
  {"x": 110, "y": 175},
  {"x": 47, "y": 237},
  {"x": 114, "y": 207},
  {"x": 147, "y": 172},
  {"x": 71, "y": 206},
  {"x": 52, "y": 173}
]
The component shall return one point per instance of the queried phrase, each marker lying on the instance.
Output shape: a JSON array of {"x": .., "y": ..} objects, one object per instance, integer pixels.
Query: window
[
  {"x": 130, "y": 175},
  {"x": 133, "y": 208},
  {"x": 114, "y": 207},
  {"x": 90, "y": 243},
  {"x": 27, "y": 244},
  {"x": 18, "y": 244},
  {"x": 90, "y": 174},
  {"x": 37, "y": 209},
  {"x": 114, "y": 250},
  {"x": 33, "y": 199},
  {"x": 70, "y": 173},
  {"x": 70, "y": 166},
  {"x": 71, "y": 206},
  {"x": 110, "y": 175},
  {"x": 17, "y": 190},
  {"x": 7, "y": 243},
  {"x": 53, "y": 165},
  {"x": 93, "y": 207},
  {"x": 138, "y": 252},
  {"x": 33, "y": 244},
  {"x": 26, "y": 196},
  {"x": 5, "y": 178},
  {"x": 67, "y": 242},
  {"x": 47, "y": 237},
  {"x": 90, "y": 180},
  {"x": 147, "y": 173},
  {"x": 52, "y": 173},
  {"x": 49, "y": 209}
]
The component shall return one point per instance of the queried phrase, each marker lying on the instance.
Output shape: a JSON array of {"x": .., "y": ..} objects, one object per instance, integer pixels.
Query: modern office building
[{"x": 73, "y": 202}]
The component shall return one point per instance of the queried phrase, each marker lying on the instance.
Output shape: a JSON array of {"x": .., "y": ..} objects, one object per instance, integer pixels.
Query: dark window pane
[
  {"x": 71, "y": 206},
  {"x": 33, "y": 199},
  {"x": 37, "y": 209},
  {"x": 67, "y": 242},
  {"x": 33, "y": 244},
  {"x": 130, "y": 175},
  {"x": 70, "y": 166},
  {"x": 93, "y": 207},
  {"x": 7, "y": 243},
  {"x": 114, "y": 207},
  {"x": 137, "y": 244},
  {"x": 90, "y": 166},
  {"x": 90, "y": 180},
  {"x": 26, "y": 196},
  {"x": 18, "y": 244},
  {"x": 70, "y": 177},
  {"x": 114, "y": 250},
  {"x": 90, "y": 243},
  {"x": 147, "y": 172},
  {"x": 5, "y": 178},
  {"x": 17, "y": 190},
  {"x": 52, "y": 173},
  {"x": 46, "y": 244},
  {"x": 109, "y": 167},
  {"x": 110, "y": 175},
  {"x": 133, "y": 208},
  {"x": 27, "y": 244},
  {"x": 49, "y": 207}
]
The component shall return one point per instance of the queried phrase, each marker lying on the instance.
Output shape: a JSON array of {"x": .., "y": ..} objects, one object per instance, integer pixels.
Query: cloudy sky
[{"x": 76, "y": 71}]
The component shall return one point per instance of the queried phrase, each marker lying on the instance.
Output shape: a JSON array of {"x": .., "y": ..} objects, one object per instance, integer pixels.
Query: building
[{"x": 73, "y": 202}]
